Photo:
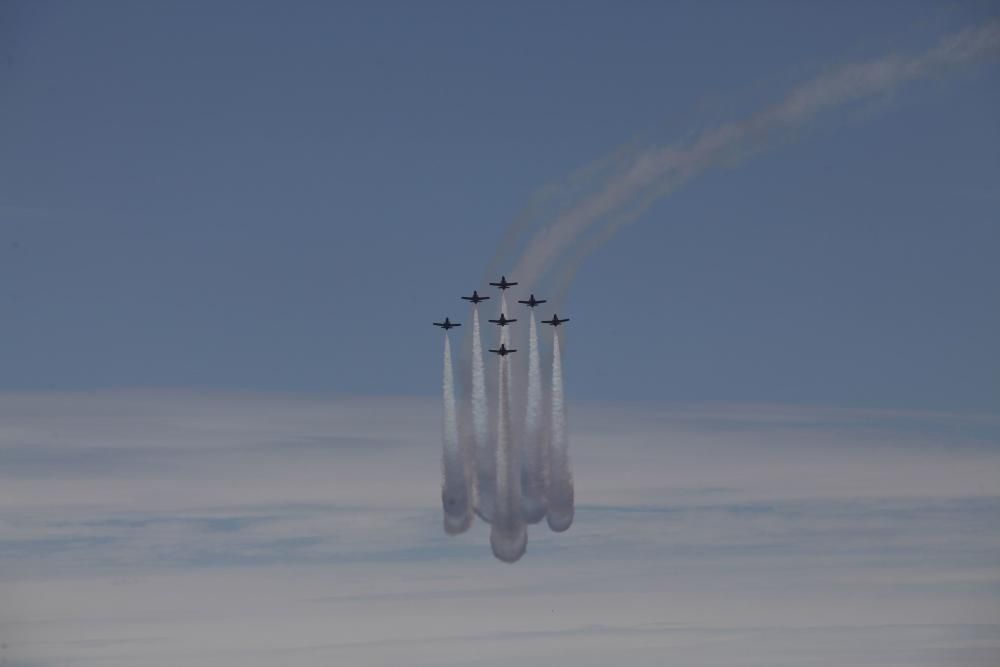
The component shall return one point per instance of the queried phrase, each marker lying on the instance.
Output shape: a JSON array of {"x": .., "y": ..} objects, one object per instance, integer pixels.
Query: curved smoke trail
[
  {"x": 533, "y": 452},
  {"x": 485, "y": 463},
  {"x": 546, "y": 202},
  {"x": 508, "y": 536},
  {"x": 560, "y": 489},
  {"x": 646, "y": 175},
  {"x": 456, "y": 497},
  {"x": 565, "y": 223}
]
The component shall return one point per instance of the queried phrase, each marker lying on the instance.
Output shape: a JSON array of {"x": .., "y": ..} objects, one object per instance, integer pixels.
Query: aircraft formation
[
  {"x": 503, "y": 321},
  {"x": 505, "y": 460}
]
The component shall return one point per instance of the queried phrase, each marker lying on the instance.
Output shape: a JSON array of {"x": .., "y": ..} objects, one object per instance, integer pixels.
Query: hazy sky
[
  {"x": 152, "y": 529},
  {"x": 282, "y": 196},
  {"x": 225, "y": 229}
]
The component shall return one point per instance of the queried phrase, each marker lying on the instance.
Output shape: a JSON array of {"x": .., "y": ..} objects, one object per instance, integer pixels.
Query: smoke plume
[
  {"x": 560, "y": 490},
  {"x": 456, "y": 496},
  {"x": 592, "y": 218},
  {"x": 524, "y": 472},
  {"x": 533, "y": 464},
  {"x": 485, "y": 463},
  {"x": 504, "y": 333},
  {"x": 508, "y": 536}
]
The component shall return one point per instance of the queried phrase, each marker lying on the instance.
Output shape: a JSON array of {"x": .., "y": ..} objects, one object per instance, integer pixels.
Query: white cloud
[{"x": 151, "y": 528}]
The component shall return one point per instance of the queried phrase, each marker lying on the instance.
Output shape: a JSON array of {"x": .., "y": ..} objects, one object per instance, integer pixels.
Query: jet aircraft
[
  {"x": 447, "y": 324},
  {"x": 475, "y": 298},
  {"x": 555, "y": 321},
  {"x": 532, "y": 301},
  {"x": 503, "y": 284},
  {"x": 503, "y": 351},
  {"x": 503, "y": 321}
]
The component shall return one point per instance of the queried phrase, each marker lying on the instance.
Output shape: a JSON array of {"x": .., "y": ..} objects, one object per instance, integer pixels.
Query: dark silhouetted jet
[
  {"x": 447, "y": 324},
  {"x": 503, "y": 284},
  {"x": 475, "y": 298},
  {"x": 503, "y": 351},
  {"x": 555, "y": 321},
  {"x": 503, "y": 321},
  {"x": 532, "y": 301}
]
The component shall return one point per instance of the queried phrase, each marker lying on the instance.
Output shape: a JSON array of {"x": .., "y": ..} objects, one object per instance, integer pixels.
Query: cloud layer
[{"x": 149, "y": 529}]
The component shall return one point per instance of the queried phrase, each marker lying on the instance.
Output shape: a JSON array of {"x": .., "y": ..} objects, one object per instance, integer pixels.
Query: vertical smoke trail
[
  {"x": 456, "y": 496},
  {"x": 504, "y": 334},
  {"x": 560, "y": 489},
  {"x": 484, "y": 457},
  {"x": 508, "y": 537},
  {"x": 533, "y": 453}
]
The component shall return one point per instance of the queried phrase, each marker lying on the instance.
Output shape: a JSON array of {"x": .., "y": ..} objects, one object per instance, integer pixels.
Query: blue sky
[
  {"x": 267, "y": 197},
  {"x": 225, "y": 228}
]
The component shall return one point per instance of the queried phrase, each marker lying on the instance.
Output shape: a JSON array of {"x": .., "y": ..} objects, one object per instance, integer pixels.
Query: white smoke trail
[
  {"x": 508, "y": 536},
  {"x": 657, "y": 171},
  {"x": 544, "y": 203},
  {"x": 485, "y": 461},
  {"x": 456, "y": 496},
  {"x": 533, "y": 464},
  {"x": 504, "y": 334},
  {"x": 560, "y": 487},
  {"x": 588, "y": 210}
]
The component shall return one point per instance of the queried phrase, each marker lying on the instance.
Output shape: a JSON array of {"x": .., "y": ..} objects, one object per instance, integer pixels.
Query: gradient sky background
[
  {"x": 225, "y": 228},
  {"x": 265, "y": 196}
]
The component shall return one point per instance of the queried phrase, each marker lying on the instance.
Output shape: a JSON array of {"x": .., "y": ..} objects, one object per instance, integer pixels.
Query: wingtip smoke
[
  {"x": 507, "y": 468},
  {"x": 484, "y": 462},
  {"x": 509, "y": 546},
  {"x": 503, "y": 487},
  {"x": 560, "y": 492},
  {"x": 508, "y": 537},
  {"x": 456, "y": 496},
  {"x": 533, "y": 466}
]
